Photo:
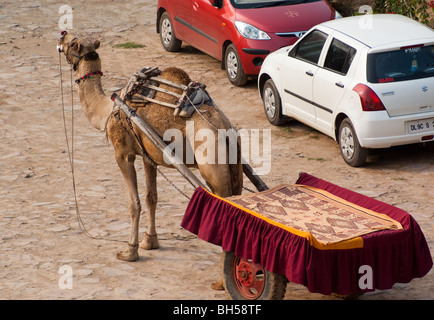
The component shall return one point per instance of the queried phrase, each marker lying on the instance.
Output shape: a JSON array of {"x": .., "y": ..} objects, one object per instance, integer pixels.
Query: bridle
[
  {"x": 67, "y": 53},
  {"x": 88, "y": 56}
]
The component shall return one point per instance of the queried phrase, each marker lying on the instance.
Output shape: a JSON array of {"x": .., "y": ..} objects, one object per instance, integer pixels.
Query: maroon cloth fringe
[{"x": 394, "y": 255}]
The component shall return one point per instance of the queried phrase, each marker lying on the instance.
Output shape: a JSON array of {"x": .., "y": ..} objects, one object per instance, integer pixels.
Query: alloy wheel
[
  {"x": 269, "y": 103},
  {"x": 347, "y": 143},
  {"x": 166, "y": 32},
  {"x": 232, "y": 65}
]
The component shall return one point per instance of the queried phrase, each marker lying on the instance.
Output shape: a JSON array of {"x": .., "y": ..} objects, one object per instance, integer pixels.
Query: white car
[{"x": 366, "y": 81}]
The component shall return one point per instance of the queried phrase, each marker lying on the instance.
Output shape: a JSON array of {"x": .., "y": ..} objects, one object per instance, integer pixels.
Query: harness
[
  {"x": 145, "y": 83},
  {"x": 88, "y": 56}
]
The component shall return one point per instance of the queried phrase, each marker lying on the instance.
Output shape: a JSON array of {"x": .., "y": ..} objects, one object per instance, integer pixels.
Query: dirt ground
[{"x": 39, "y": 233}]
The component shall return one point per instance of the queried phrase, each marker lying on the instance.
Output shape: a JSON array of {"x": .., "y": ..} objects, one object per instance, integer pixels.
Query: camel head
[{"x": 76, "y": 49}]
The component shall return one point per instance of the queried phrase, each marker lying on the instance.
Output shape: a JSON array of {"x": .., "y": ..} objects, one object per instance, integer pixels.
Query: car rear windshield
[
  {"x": 246, "y": 4},
  {"x": 408, "y": 63}
]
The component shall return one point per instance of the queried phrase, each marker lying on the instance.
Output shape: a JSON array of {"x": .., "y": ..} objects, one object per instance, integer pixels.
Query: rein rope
[{"x": 81, "y": 225}]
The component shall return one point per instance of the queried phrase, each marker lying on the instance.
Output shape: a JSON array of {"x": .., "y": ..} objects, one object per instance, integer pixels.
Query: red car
[{"x": 240, "y": 33}]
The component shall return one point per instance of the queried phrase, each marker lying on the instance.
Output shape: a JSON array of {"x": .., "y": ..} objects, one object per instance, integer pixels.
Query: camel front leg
[
  {"x": 126, "y": 164},
  {"x": 151, "y": 239}
]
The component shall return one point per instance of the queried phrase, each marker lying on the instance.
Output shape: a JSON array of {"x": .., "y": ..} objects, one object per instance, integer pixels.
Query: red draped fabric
[{"x": 394, "y": 256}]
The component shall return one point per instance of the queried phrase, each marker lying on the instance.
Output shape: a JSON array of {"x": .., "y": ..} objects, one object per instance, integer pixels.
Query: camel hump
[{"x": 176, "y": 75}]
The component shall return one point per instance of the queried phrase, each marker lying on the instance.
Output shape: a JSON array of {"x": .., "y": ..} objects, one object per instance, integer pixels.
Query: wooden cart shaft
[{"x": 175, "y": 161}]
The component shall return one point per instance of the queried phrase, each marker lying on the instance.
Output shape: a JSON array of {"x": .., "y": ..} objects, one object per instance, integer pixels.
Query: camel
[{"x": 223, "y": 179}]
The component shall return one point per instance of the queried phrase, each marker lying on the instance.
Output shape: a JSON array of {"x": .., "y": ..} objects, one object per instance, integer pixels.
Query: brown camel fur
[{"x": 223, "y": 179}]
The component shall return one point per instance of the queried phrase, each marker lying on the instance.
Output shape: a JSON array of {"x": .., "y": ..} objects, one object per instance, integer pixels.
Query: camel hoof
[
  {"x": 218, "y": 285},
  {"x": 130, "y": 255},
  {"x": 150, "y": 242}
]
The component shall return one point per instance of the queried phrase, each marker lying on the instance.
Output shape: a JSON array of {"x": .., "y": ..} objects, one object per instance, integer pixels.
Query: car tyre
[
  {"x": 167, "y": 35},
  {"x": 273, "y": 104},
  {"x": 234, "y": 68},
  {"x": 352, "y": 152}
]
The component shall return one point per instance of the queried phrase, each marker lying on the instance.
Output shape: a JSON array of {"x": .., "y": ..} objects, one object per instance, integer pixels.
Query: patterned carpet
[{"x": 328, "y": 218}]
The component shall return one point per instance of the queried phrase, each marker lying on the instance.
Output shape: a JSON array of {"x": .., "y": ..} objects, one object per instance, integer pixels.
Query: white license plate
[{"x": 418, "y": 126}]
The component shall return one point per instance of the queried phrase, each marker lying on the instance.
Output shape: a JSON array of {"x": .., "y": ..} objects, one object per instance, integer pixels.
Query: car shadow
[
  {"x": 409, "y": 157},
  {"x": 190, "y": 50},
  {"x": 252, "y": 83}
]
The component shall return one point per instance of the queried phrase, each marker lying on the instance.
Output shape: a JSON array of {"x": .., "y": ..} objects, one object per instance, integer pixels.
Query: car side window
[
  {"x": 310, "y": 47},
  {"x": 339, "y": 57}
]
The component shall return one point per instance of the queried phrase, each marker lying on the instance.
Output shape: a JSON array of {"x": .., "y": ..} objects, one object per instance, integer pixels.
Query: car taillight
[{"x": 368, "y": 98}]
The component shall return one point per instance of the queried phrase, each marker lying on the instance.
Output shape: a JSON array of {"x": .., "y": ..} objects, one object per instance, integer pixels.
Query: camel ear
[
  {"x": 76, "y": 45},
  {"x": 96, "y": 44}
]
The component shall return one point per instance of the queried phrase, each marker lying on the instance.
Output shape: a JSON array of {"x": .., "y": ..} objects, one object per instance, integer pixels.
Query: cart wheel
[{"x": 245, "y": 280}]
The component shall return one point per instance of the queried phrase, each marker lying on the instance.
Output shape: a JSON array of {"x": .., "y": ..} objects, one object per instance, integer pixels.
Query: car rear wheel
[
  {"x": 167, "y": 35},
  {"x": 234, "y": 69},
  {"x": 273, "y": 104},
  {"x": 353, "y": 154}
]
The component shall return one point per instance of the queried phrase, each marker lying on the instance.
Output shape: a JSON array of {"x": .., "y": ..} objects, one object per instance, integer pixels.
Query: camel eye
[{"x": 74, "y": 45}]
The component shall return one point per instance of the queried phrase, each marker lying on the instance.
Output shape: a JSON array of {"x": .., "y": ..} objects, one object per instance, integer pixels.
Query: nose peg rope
[{"x": 70, "y": 149}]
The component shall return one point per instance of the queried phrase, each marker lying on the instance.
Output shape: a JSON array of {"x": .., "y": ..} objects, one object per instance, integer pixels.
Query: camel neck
[{"x": 97, "y": 107}]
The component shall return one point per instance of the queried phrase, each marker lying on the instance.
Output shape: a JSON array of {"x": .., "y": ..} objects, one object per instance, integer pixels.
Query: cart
[
  {"x": 363, "y": 245},
  {"x": 314, "y": 233}
]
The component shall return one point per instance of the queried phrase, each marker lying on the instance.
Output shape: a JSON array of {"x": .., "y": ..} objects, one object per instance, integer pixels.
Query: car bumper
[
  {"x": 253, "y": 52},
  {"x": 378, "y": 130}
]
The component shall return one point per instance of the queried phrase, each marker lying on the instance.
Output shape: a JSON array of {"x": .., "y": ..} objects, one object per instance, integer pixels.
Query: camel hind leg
[
  {"x": 150, "y": 240},
  {"x": 225, "y": 178},
  {"x": 218, "y": 178}
]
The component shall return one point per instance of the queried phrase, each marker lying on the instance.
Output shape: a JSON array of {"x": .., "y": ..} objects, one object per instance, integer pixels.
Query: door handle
[
  {"x": 195, "y": 6},
  {"x": 340, "y": 84},
  {"x": 309, "y": 73}
]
